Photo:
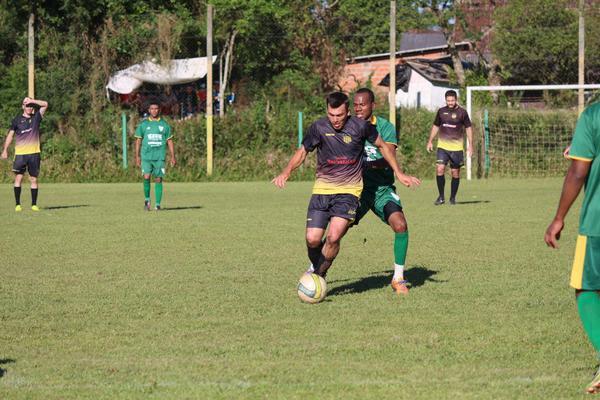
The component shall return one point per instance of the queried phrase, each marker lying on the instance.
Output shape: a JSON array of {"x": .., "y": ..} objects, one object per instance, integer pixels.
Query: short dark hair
[
  {"x": 367, "y": 91},
  {"x": 337, "y": 99},
  {"x": 153, "y": 102},
  {"x": 451, "y": 93}
]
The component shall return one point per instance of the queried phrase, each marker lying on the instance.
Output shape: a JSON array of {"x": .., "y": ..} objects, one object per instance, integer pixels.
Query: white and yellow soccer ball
[{"x": 312, "y": 288}]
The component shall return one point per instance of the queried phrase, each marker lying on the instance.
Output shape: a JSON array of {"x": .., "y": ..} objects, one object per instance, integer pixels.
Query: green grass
[{"x": 101, "y": 300}]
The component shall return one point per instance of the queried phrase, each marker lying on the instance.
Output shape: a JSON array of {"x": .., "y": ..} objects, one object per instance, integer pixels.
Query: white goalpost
[{"x": 471, "y": 89}]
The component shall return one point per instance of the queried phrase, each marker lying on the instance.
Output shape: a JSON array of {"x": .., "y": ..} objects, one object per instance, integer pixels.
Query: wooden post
[
  {"x": 31, "y": 60},
  {"x": 581, "y": 102},
  {"x": 392, "y": 94},
  {"x": 209, "y": 90}
]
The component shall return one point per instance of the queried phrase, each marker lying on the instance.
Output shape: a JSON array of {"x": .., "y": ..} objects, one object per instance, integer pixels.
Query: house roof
[
  {"x": 404, "y": 53},
  {"x": 434, "y": 71},
  {"x": 421, "y": 40}
]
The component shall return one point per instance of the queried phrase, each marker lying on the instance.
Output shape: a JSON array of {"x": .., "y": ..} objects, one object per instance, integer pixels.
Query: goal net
[{"x": 525, "y": 132}]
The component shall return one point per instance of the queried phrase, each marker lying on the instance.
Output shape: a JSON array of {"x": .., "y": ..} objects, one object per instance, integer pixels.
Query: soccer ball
[{"x": 312, "y": 288}]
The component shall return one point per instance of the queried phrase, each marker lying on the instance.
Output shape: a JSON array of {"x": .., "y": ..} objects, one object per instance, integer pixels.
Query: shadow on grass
[
  {"x": 2, "y": 362},
  {"x": 417, "y": 276},
  {"x": 180, "y": 208},
  {"x": 61, "y": 207},
  {"x": 472, "y": 202}
]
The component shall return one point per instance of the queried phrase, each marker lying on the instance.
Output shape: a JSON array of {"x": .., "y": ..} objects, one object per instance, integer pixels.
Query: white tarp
[{"x": 179, "y": 71}]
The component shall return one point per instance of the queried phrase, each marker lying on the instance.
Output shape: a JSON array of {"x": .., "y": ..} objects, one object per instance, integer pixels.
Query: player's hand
[
  {"x": 27, "y": 100},
  {"x": 566, "y": 152},
  {"x": 429, "y": 147},
  {"x": 138, "y": 162},
  {"x": 553, "y": 233},
  {"x": 469, "y": 151},
  {"x": 4, "y": 155},
  {"x": 280, "y": 180},
  {"x": 408, "y": 181},
  {"x": 173, "y": 161}
]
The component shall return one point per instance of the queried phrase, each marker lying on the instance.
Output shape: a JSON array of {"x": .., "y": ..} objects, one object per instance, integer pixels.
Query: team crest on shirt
[
  {"x": 347, "y": 139},
  {"x": 160, "y": 128},
  {"x": 453, "y": 115}
]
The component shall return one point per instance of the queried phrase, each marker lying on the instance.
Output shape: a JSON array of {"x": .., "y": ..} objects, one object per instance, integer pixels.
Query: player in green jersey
[
  {"x": 585, "y": 276},
  {"x": 379, "y": 193},
  {"x": 153, "y": 135}
]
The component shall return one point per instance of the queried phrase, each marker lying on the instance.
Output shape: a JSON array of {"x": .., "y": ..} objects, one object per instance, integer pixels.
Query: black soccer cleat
[
  {"x": 146, "y": 205},
  {"x": 157, "y": 208},
  {"x": 439, "y": 201},
  {"x": 452, "y": 201}
]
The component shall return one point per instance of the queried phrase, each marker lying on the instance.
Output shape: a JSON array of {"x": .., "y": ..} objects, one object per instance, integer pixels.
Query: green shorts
[
  {"x": 153, "y": 167},
  {"x": 586, "y": 263},
  {"x": 375, "y": 199}
]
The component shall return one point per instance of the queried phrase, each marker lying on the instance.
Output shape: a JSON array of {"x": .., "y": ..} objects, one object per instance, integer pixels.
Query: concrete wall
[{"x": 431, "y": 96}]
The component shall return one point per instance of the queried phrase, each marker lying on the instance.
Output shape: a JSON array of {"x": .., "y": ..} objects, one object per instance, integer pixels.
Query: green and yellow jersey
[
  {"x": 586, "y": 147},
  {"x": 154, "y": 134},
  {"x": 377, "y": 171}
]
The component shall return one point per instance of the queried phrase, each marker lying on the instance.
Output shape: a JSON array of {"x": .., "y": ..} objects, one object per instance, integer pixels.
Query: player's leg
[
  {"x": 585, "y": 278},
  {"x": 33, "y": 167},
  {"x": 440, "y": 169},
  {"x": 456, "y": 163},
  {"x": 397, "y": 222},
  {"x": 342, "y": 209},
  {"x": 147, "y": 174},
  {"x": 317, "y": 218},
  {"x": 337, "y": 229},
  {"x": 19, "y": 168},
  {"x": 158, "y": 170}
]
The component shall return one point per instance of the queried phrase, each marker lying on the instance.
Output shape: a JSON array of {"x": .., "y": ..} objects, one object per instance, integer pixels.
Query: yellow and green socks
[{"x": 588, "y": 304}]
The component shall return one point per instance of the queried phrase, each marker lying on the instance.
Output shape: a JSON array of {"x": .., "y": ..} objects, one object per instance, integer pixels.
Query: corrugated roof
[{"x": 421, "y": 40}]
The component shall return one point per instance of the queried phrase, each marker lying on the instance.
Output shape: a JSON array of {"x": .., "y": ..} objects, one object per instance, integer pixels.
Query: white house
[{"x": 425, "y": 84}]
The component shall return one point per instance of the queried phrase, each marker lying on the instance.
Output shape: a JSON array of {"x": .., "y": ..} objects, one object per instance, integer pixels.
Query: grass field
[{"x": 101, "y": 300}]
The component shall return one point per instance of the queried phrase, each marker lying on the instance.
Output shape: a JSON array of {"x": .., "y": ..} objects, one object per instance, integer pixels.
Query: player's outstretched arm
[
  {"x": 171, "y": 151},
  {"x": 7, "y": 142},
  {"x": 432, "y": 134},
  {"x": 390, "y": 156},
  {"x": 296, "y": 161},
  {"x": 574, "y": 181}
]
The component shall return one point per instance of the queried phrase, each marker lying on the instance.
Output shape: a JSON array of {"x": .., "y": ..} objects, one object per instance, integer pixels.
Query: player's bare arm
[
  {"x": 390, "y": 157},
  {"x": 138, "y": 145},
  {"x": 469, "y": 131},
  {"x": 171, "y": 151},
  {"x": 574, "y": 181},
  {"x": 296, "y": 161},
  {"x": 41, "y": 103},
  {"x": 432, "y": 134},
  {"x": 7, "y": 142}
]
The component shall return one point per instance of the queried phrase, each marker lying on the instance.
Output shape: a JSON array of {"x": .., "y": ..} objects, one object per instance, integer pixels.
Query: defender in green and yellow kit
[
  {"x": 584, "y": 153},
  {"x": 153, "y": 136},
  {"x": 379, "y": 193}
]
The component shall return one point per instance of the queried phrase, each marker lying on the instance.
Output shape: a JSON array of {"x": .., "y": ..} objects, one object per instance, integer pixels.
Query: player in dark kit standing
[
  {"x": 451, "y": 121},
  {"x": 26, "y": 130},
  {"x": 339, "y": 140}
]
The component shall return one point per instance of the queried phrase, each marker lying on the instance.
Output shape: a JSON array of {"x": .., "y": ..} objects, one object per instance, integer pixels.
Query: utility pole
[
  {"x": 581, "y": 102},
  {"x": 392, "y": 94},
  {"x": 209, "y": 90},
  {"x": 30, "y": 58}
]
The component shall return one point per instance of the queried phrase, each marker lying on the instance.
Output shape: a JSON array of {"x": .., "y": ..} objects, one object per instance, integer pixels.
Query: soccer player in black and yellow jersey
[
  {"x": 451, "y": 122},
  {"x": 339, "y": 140},
  {"x": 25, "y": 129}
]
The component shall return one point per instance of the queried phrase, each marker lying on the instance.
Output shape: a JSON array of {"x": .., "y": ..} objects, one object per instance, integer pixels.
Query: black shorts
[
  {"x": 27, "y": 163},
  {"x": 324, "y": 206},
  {"x": 455, "y": 158}
]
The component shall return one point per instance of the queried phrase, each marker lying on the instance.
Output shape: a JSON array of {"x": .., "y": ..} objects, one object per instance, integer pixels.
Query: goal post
[{"x": 471, "y": 89}]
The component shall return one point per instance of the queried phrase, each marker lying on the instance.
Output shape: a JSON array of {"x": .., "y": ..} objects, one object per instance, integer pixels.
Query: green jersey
[
  {"x": 154, "y": 134},
  {"x": 586, "y": 147},
  {"x": 377, "y": 170}
]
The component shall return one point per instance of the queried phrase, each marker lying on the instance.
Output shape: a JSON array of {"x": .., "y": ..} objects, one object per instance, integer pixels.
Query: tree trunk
[{"x": 226, "y": 71}]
